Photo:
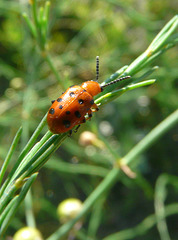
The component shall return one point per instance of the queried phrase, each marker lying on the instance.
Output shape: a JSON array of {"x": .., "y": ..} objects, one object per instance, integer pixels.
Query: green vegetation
[{"x": 126, "y": 176}]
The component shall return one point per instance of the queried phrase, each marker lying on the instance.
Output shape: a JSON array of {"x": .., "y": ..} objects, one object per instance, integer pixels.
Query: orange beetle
[{"x": 76, "y": 105}]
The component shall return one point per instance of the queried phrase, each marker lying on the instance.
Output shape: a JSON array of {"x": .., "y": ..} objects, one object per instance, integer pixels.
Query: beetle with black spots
[{"x": 76, "y": 104}]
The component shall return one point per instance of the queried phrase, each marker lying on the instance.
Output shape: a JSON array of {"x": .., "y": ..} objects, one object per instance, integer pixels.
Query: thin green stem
[
  {"x": 28, "y": 165},
  {"x": 33, "y": 151},
  {"x": 105, "y": 185},
  {"x": 37, "y": 24},
  {"x": 113, "y": 175},
  {"x": 151, "y": 137},
  {"x": 53, "y": 69},
  {"x": 95, "y": 219},
  {"x": 16, "y": 204},
  {"x": 24, "y": 152},
  {"x": 143, "y": 227},
  {"x": 7, "y": 209},
  {"x": 39, "y": 31},
  {"x": 160, "y": 197},
  {"x": 163, "y": 35},
  {"x": 9, "y": 155},
  {"x": 34, "y": 12},
  {"x": 33, "y": 138},
  {"x": 158, "y": 43},
  {"x": 108, "y": 97},
  {"x": 69, "y": 168},
  {"x": 31, "y": 161},
  {"x": 30, "y": 218},
  {"x": 7, "y": 195},
  {"x": 30, "y": 25},
  {"x": 46, "y": 17}
]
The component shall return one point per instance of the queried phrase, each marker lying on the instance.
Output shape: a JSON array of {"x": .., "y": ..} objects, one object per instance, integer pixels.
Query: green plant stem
[
  {"x": 7, "y": 195},
  {"x": 37, "y": 24},
  {"x": 160, "y": 41},
  {"x": 39, "y": 31},
  {"x": 151, "y": 138},
  {"x": 113, "y": 175},
  {"x": 108, "y": 97},
  {"x": 30, "y": 218},
  {"x": 95, "y": 219},
  {"x": 31, "y": 158},
  {"x": 34, "y": 12},
  {"x": 54, "y": 70},
  {"x": 69, "y": 168},
  {"x": 115, "y": 75},
  {"x": 101, "y": 189},
  {"x": 9, "y": 155},
  {"x": 163, "y": 35},
  {"x": 32, "y": 165},
  {"x": 158, "y": 46},
  {"x": 41, "y": 156},
  {"x": 160, "y": 197},
  {"x": 8, "y": 208},
  {"x": 29, "y": 162},
  {"x": 25, "y": 151},
  {"x": 16, "y": 204},
  {"x": 33, "y": 138},
  {"x": 30, "y": 25},
  {"x": 143, "y": 227}
]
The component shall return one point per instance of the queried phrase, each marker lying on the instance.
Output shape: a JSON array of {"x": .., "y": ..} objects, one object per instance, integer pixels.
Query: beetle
[{"x": 76, "y": 104}]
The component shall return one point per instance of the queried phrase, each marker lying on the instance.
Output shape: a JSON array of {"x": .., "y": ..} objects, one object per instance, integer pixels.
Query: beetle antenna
[
  {"x": 115, "y": 81},
  {"x": 97, "y": 68}
]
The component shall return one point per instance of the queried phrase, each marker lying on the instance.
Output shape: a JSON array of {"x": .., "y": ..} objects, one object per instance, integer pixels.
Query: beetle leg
[
  {"x": 77, "y": 128},
  {"x": 89, "y": 114},
  {"x": 70, "y": 133},
  {"x": 95, "y": 107}
]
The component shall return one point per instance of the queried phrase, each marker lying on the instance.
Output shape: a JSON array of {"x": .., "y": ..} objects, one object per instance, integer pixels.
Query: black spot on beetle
[
  {"x": 84, "y": 90},
  {"x": 67, "y": 123},
  {"x": 90, "y": 115},
  {"x": 84, "y": 120},
  {"x": 60, "y": 106},
  {"x": 52, "y": 101},
  {"x": 52, "y": 111},
  {"x": 80, "y": 101},
  {"x": 77, "y": 114},
  {"x": 72, "y": 94},
  {"x": 67, "y": 112},
  {"x": 59, "y": 99},
  {"x": 92, "y": 102}
]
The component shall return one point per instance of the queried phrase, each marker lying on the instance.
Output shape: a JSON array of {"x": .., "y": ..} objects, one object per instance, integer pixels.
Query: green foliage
[{"x": 120, "y": 175}]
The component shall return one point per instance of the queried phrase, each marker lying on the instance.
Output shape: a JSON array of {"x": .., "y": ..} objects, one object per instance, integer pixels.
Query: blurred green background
[{"x": 117, "y": 31}]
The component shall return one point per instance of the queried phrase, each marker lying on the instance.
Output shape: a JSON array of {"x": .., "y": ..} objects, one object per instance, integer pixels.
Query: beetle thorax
[{"x": 92, "y": 87}]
